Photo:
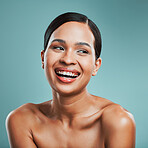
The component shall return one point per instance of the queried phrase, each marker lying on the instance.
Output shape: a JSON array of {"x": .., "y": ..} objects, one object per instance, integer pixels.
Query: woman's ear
[
  {"x": 97, "y": 66},
  {"x": 42, "y": 58}
]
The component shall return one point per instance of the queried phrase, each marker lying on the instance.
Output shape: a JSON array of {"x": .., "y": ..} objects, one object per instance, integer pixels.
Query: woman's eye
[
  {"x": 82, "y": 52},
  {"x": 58, "y": 48}
]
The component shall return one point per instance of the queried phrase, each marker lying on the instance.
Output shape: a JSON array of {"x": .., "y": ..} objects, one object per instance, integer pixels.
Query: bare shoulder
[
  {"x": 24, "y": 113},
  {"x": 22, "y": 123},
  {"x": 19, "y": 125},
  {"x": 116, "y": 116},
  {"x": 118, "y": 125},
  {"x": 29, "y": 113}
]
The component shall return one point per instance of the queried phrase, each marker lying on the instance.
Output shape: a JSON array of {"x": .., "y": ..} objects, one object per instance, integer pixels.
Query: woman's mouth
[{"x": 66, "y": 75}]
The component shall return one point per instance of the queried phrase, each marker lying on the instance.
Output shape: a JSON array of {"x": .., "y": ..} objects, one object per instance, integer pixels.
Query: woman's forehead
[{"x": 73, "y": 32}]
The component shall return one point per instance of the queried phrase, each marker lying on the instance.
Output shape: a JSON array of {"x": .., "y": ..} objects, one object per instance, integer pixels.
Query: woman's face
[{"x": 69, "y": 60}]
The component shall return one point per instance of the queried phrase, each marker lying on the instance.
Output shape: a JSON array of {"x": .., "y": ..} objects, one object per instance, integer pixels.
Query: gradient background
[{"x": 122, "y": 77}]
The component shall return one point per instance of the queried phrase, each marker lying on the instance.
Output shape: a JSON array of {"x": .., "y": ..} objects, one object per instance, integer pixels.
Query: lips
[{"x": 66, "y": 74}]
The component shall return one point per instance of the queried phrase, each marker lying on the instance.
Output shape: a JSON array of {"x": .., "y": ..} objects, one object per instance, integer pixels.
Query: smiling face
[{"x": 69, "y": 60}]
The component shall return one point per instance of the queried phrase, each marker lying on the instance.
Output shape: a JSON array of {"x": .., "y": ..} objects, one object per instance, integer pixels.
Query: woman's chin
[{"x": 67, "y": 92}]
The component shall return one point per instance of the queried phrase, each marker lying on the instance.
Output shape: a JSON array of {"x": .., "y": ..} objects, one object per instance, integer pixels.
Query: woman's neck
[{"x": 69, "y": 107}]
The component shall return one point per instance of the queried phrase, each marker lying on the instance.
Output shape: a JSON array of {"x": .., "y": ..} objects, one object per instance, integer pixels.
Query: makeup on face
[
  {"x": 70, "y": 58},
  {"x": 66, "y": 75}
]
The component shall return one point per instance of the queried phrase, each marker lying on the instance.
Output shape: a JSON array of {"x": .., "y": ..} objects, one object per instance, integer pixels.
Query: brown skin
[{"x": 73, "y": 118}]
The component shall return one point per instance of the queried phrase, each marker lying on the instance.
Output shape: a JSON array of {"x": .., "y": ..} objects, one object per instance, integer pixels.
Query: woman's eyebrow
[
  {"x": 78, "y": 43},
  {"x": 83, "y": 43},
  {"x": 58, "y": 40}
]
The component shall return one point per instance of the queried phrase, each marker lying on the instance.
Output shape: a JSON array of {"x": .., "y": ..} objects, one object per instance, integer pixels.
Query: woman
[{"x": 73, "y": 118}]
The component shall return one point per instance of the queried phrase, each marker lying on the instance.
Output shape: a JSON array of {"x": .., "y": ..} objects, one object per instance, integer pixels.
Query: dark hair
[{"x": 77, "y": 17}]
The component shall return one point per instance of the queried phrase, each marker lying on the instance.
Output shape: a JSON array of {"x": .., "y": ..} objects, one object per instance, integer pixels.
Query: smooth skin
[{"x": 73, "y": 118}]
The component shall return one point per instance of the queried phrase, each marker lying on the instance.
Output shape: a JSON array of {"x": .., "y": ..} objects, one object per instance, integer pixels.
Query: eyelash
[
  {"x": 83, "y": 51},
  {"x": 58, "y": 48},
  {"x": 80, "y": 51}
]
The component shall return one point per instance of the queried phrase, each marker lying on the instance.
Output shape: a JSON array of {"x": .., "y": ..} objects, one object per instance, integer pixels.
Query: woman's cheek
[{"x": 88, "y": 66}]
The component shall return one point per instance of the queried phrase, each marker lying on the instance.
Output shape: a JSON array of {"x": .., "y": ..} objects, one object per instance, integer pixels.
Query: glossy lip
[
  {"x": 64, "y": 79},
  {"x": 67, "y": 70}
]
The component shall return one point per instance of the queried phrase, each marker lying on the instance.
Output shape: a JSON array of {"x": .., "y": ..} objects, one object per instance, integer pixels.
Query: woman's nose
[{"x": 68, "y": 58}]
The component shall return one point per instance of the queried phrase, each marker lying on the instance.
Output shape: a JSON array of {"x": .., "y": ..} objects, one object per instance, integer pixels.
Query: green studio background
[{"x": 122, "y": 77}]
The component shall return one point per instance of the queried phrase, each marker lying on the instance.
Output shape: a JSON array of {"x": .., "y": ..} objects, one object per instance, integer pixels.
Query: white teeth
[{"x": 66, "y": 73}]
